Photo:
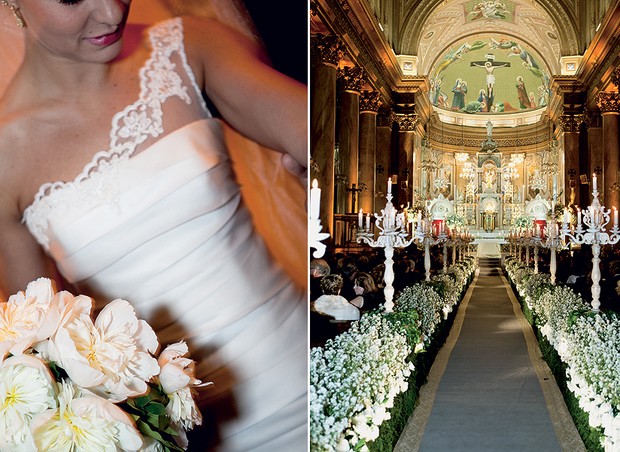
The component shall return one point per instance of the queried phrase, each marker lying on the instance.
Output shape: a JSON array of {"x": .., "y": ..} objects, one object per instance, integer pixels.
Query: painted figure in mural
[
  {"x": 474, "y": 107},
  {"x": 490, "y": 9},
  {"x": 527, "y": 58},
  {"x": 532, "y": 100},
  {"x": 482, "y": 96},
  {"x": 543, "y": 96},
  {"x": 524, "y": 100},
  {"x": 436, "y": 96},
  {"x": 503, "y": 43},
  {"x": 490, "y": 67},
  {"x": 459, "y": 90},
  {"x": 452, "y": 56}
]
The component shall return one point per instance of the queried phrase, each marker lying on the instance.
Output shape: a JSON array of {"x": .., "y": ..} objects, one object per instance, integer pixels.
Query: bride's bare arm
[
  {"x": 254, "y": 98},
  {"x": 21, "y": 258}
]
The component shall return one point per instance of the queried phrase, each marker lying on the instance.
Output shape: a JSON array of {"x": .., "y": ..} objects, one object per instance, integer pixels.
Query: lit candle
[
  {"x": 578, "y": 217},
  {"x": 368, "y": 221},
  {"x": 615, "y": 217},
  {"x": 594, "y": 182},
  {"x": 389, "y": 185},
  {"x": 566, "y": 217},
  {"x": 537, "y": 230},
  {"x": 360, "y": 217},
  {"x": 315, "y": 200}
]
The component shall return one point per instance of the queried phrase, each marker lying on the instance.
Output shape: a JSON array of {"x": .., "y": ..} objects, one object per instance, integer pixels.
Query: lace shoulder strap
[{"x": 160, "y": 79}]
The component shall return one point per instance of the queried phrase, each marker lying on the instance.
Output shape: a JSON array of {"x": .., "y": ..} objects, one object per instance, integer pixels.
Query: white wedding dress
[{"x": 158, "y": 220}]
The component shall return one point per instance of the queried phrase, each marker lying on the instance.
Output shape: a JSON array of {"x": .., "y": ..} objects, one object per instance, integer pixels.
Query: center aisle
[{"x": 484, "y": 391}]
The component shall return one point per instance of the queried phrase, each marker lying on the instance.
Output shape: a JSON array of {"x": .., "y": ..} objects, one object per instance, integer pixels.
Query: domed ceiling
[
  {"x": 491, "y": 74},
  {"x": 486, "y": 57},
  {"x": 515, "y": 20}
]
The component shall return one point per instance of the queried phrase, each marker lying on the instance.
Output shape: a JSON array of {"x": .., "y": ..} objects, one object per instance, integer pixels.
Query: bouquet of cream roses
[{"x": 68, "y": 382}]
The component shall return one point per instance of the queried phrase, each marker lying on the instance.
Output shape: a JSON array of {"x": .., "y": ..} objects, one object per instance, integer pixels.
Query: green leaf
[
  {"x": 156, "y": 408},
  {"x": 142, "y": 401}
]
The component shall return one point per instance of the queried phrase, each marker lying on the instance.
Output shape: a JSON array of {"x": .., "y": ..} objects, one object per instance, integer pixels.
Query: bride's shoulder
[
  {"x": 217, "y": 51},
  {"x": 210, "y": 43}
]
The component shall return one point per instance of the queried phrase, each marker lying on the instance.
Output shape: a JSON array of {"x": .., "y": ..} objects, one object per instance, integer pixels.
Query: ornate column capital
[
  {"x": 571, "y": 122},
  {"x": 327, "y": 49},
  {"x": 608, "y": 102},
  {"x": 369, "y": 101},
  {"x": 352, "y": 78},
  {"x": 408, "y": 122}
]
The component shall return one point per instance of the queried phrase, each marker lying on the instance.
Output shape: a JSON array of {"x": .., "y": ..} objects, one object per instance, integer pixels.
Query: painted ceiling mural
[
  {"x": 506, "y": 19},
  {"x": 490, "y": 74}
]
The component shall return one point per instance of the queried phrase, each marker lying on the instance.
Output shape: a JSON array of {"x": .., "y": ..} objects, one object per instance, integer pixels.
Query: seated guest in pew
[
  {"x": 318, "y": 269},
  {"x": 368, "y": 296},
  {"x": 331, "y": 303}
]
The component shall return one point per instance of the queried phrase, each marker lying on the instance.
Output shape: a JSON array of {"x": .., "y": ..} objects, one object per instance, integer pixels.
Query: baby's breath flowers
[{"x": 588, "y": 343}]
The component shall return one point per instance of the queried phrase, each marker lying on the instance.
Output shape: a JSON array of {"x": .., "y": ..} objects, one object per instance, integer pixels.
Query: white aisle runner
[
  {"x": 489, "y": 389},
  {"x": 488, "y": 248}
]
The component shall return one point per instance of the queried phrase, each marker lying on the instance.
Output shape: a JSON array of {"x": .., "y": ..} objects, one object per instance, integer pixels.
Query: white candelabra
[
  {"x": 392, "y": 234},
  {"x": 595, "y": 218},
  {"x": 424, "y": 236},
  {"x": 315, "y": 236},
  {"x": 536, "y": 241},
  {"x": 554, "y": 243}
]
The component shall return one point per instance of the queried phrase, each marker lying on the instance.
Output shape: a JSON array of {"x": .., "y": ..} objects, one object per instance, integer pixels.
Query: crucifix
[
  {"x": 354, "y": 191},
  {"x": 490, "y": 65}
]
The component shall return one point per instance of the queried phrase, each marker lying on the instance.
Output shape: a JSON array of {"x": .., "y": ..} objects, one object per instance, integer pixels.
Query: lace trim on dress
[{"x": 159, "y": 80}]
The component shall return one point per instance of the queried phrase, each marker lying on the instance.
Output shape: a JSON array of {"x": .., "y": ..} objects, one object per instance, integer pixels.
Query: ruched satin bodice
[{"x": 167, "y": 230}]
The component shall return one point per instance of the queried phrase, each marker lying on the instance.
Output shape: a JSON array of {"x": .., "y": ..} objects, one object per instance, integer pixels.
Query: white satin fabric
[{"x": 164, "y": 227}]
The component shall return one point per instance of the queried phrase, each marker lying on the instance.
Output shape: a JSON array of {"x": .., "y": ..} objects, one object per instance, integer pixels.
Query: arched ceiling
[{"x": 455, "y": 20}]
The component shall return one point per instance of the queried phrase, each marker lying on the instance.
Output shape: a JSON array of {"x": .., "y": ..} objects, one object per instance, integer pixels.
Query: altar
[{"x": 489, "y": 211}]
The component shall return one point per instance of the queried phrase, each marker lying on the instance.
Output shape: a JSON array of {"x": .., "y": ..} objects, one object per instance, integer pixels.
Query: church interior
[
  {"x": 489, "y": 105},
  {"x": 464, "y": 154}
]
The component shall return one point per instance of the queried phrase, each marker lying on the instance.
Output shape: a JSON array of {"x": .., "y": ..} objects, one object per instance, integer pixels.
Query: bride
[{"x": 117, "y": 182}]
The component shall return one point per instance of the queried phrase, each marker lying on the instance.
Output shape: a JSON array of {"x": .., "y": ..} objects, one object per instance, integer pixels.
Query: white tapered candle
[{"x": 315, "y": 200}]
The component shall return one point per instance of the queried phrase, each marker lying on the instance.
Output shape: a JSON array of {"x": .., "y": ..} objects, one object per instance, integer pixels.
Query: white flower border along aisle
[
  {"x": 356, "y": 377},
  {"x": 587, "y": 343}
]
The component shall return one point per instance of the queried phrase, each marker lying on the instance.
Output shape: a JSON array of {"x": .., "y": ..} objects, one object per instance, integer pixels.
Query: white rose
[
  {"x": 177, "y": 380},
  {"x": 27, "y": 388},
  {"x": 112, "y": 356},
  {"x": 28, "y": 317},
  {"x": 84, "y": 423}
]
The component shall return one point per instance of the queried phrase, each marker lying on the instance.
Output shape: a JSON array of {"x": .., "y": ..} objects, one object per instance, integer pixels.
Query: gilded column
[
  {"x": 326, "y": 54},
  {"x": 351, "y": 80},
  {"x": 385, "y": 122},
  {"x": 406, "y": 139},
  {"x": 369, "y": 106},
  {"x": 595, "y": 145},
  {"x": 570, "y": 124},
  {"x": 609, "y": 104}
]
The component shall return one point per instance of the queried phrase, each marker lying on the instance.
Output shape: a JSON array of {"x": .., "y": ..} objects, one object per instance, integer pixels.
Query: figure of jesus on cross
[{"x": 490, "y": 65}]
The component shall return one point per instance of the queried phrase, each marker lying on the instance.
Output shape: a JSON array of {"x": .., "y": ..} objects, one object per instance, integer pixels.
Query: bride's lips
[{"x": 107, "y": 39}]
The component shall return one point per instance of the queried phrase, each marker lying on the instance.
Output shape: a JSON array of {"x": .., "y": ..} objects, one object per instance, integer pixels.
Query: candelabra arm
[{"x": 315, "y": 237}]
